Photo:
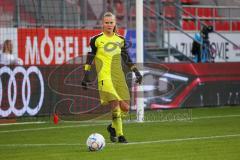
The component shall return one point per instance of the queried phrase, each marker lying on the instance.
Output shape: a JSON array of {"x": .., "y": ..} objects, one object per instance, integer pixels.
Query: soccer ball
[{"x": 95, "y": 142}]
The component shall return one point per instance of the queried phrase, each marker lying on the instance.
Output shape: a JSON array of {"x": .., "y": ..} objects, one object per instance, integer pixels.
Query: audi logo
[{"x": 25, "y": 94}]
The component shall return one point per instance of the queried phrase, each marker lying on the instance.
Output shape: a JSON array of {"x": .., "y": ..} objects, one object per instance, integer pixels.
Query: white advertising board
[{"x": 222, "y": 50}]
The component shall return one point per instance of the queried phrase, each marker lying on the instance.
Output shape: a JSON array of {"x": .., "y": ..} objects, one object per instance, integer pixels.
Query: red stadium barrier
[
  {"x": 198, "y": 85},
  {"x": 56, "y": 90}
]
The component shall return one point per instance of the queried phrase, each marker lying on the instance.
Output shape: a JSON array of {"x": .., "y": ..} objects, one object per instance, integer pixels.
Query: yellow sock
[{"x": 117, "y": 121}]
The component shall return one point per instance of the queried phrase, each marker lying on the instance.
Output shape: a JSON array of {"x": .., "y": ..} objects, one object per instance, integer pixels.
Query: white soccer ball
[{"x": 95, "y": 142}]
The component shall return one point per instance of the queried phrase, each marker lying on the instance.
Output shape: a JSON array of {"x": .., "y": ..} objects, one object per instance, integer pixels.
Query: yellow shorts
[{"x": 109, "y": 91}]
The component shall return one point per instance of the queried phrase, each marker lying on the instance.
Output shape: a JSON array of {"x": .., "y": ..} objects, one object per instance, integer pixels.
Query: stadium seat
[
  {"x": 188, "y": 25},
  {"x": 218, "y": 25},
  {"x": 189, "y": 2},
  {"x": 166, "y": 1},
  {"x": 120, "y": 11},
  {"x": 222, "y": 26},
  {"x": 215, "y": 12},
  {"x": 133, "y": 11},
  {"x": 200, "y": 12},
  {"x": 226, "y": 26},
  {"x": 189, "y": 10},
  {"x": 208, "y": 22},
  {"x": 153, "y": 9},
  {"x": 192, "y": 25},
  {"x": 185, "y": 1},
  {"x": 26, "y": 17},
  {"x": 236, "y": 26},
  {"x": 153, "y": 26},
  {"x": 146, "y": 12},
  {"x": 8, "y": 6},
  {"x": 169, "y": 11},
  {"x": 204, "y": 12}
]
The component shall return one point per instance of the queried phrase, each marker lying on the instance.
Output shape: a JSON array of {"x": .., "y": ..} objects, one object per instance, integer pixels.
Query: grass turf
[{"x": 207, "y": 133}]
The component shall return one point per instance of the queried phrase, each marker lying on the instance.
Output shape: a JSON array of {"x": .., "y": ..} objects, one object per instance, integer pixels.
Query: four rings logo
[{"x": 25, "y": 92}]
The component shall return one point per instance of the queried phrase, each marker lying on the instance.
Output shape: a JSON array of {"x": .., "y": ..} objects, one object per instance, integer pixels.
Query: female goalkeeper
[{"x": 108, "y": 50}]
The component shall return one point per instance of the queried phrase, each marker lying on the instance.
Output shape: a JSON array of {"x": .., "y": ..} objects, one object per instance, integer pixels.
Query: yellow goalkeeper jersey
[{"x": 107, "y": 53}]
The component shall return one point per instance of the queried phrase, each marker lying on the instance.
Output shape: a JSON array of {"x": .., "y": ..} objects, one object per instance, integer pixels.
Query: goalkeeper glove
[
  {"x": 138, "y": 75},
  {"x": 86, "y": 80}
]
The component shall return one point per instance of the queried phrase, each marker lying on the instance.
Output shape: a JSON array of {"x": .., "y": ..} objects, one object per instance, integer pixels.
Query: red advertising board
[{"x": 50, "y": 46}]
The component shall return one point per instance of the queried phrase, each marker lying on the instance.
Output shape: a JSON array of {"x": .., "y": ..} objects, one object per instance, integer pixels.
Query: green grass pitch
[{"x": 207, "y": 134}]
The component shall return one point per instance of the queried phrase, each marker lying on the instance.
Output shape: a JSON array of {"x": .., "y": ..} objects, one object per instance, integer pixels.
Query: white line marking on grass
[
  {"x": 194, "y": 118},
  {"x": 186, "y": 139},
  {"x": 132, "y": 143},
  {"x": 104, "y": 123},
  {"x": 21, "y": 123},
  {"x": 213, "y": 117},
  {"x": 48, "y": 128},
  {"x": 41, "y": 145}
]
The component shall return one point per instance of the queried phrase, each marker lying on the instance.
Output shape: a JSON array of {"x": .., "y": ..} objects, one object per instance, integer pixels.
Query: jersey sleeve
[
  {"x": 92, "y": 51},
  {"x": 125, "y": 56}
]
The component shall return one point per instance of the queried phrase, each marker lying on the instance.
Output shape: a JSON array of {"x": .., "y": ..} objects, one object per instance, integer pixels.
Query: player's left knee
[{"x": 124, "y": 107}]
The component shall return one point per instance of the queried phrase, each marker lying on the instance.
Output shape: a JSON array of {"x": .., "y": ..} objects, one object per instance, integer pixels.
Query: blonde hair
[
  {"x": 110, "y": 14},
  {"x": 6, "y": 46}
]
